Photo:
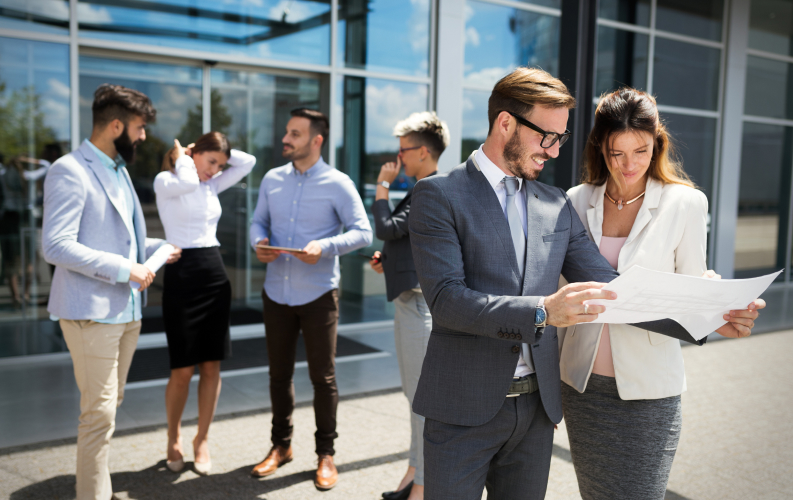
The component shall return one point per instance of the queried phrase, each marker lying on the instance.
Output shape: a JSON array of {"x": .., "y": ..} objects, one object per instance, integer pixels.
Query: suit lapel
[
  {"x": 594, "y": 214},
  {"x": 651, "y": 199},
  {"x": 482, "y": 191},
  {"x": 95, "y": 165}
]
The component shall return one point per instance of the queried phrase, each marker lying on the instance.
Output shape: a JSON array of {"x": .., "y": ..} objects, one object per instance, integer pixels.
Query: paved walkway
[{"x": 737, "y": 443}]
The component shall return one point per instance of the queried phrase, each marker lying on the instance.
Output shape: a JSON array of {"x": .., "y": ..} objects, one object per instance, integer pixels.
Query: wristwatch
[
  {"x": 385, "y": 184},
  {"x": 539, "y": 314}
]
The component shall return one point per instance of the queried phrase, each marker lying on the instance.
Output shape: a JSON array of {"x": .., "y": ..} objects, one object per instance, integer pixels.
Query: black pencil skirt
[{"x": 196, "y": 304}]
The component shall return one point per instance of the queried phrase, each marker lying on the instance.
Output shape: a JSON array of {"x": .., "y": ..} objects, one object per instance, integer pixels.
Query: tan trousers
[{"x": 101, "y": 355}]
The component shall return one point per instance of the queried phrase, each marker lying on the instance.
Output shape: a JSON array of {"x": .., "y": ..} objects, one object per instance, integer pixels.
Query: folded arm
[{"x": 387, "y": 225}]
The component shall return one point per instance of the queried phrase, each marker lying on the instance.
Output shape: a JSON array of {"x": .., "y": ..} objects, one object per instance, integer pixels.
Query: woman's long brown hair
[
  {"x": 211, "y": 141},
  {"x": 630, "y": 110}
]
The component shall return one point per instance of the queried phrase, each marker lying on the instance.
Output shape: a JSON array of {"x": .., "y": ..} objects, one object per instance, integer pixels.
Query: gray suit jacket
[
  {"x": 397, "y": 256},
  {"x": 481, "y": 309},
  {"x": 84, "y": 236}
]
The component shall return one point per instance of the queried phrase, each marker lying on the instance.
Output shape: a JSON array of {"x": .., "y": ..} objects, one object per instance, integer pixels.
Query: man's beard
[
  {"x": 125, "y": 147},
  {"x": 517, "y": 159},
  {"x": 292, "y": 153}
]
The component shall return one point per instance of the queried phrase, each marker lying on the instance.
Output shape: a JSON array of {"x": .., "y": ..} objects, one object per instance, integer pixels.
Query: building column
[{"x": 449, "y": 76}]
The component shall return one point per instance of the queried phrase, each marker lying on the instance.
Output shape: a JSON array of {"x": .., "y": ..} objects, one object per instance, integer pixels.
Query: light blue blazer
[{"x": 85, "y": 237}]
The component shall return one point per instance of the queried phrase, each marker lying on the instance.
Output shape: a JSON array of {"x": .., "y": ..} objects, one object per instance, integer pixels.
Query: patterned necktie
[
  {"x": 519, "y": 240},
  {"x": 515, "y": 224}
]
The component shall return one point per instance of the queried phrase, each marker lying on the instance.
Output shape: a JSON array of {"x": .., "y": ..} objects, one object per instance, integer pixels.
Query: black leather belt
[{"x": 523, "y": 385}]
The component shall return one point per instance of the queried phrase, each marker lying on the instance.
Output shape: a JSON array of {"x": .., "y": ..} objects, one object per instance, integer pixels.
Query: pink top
[{"x": 604, "y": 364}]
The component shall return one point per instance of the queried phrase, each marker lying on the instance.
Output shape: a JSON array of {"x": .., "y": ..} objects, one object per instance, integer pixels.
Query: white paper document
[
  {"x": 698, "y": 304},
  {"x": 156, "y": 261}
]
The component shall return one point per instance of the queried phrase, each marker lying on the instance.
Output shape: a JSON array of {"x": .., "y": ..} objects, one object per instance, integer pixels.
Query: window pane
[
  {"x": 498, "y": 39},
  {"x": 626, "y": 11},
  {"x": 176, "y": 94},
  {"x": 557, "y": 4},
  {"x": 43, "y": 16},
  {"x": 771, "y": 26},
  {"x": 621, "y": 60},
  {"x": 764, "y": 198},
  {"x": 686, "y": 75},
  {"x": 701, "y": 19},
  {"x": 34, "y": 123},
  {"x": 385, "y": 35},
  {"x": 695, "y": 139},
  {"x": 769, "y": 88},
  {"x": 296, "y": 31},
  {"x": 252, "y": 110},
  {"x": 367, "y": 110}
]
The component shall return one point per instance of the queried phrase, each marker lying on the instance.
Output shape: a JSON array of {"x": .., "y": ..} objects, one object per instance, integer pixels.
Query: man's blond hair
[
  {"x": 425, "y": 129},
  {"x": 525, "y": 88}
]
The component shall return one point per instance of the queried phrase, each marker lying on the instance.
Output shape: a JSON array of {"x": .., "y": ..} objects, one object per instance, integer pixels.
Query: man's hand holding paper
[{"x": 699, "y": 305}]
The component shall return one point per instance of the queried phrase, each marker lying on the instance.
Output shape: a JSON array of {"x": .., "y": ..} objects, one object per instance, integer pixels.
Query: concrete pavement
[{"x": 737, "y": 443}]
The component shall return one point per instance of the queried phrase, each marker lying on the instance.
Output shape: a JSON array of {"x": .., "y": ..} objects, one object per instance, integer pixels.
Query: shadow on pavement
[{"x": 158, "y": 482}]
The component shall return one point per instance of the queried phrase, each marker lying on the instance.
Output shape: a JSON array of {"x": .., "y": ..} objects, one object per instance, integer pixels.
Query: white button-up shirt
[
  {"x": 190, "y": 209},
  {"x": 495, "y": 176}
]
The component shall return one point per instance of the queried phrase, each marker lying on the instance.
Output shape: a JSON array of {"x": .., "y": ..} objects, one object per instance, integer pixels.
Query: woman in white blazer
[{"x": 622, "y": 385}]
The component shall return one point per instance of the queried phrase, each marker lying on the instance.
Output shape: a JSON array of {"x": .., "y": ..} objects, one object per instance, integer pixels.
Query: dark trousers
[
  {"x": 317, "y": 320},
  {"x": 510, "y": 455}
]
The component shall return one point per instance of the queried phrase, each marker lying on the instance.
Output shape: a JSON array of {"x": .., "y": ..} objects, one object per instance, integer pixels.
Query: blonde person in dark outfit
[
  {"x": 422, "y": 139},
  {"x": 622, "y": 384},
  {"x": 196, "y": 299}
]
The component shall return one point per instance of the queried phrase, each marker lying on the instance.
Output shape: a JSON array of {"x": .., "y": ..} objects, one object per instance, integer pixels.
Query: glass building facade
[{"x": 721, "y": 71}]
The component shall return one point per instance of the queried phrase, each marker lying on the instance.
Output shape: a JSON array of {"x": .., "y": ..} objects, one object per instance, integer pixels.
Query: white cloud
[
  {"x": 297, "y": 11},
  {"x": 58, "y": 88},
  {"x": 419, "y": 26},
  {"x": 472, "y": 37},
  {"x": 56, "y": 116},
  {"x": 486, "y": 78},
  {"x": 385, "y": 106},
  {"x": 89, "y": 14},
  {"x": 469, "y": 13}
]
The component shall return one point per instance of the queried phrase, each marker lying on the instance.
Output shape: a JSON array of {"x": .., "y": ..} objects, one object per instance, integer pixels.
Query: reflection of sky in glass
[
  {"x": 387, "y": 102},
  {"x": 498, "y": 39},
  {"x": 397, "y": 36},
  {"x": 44, "y": 67},
  {"x": 771, "y": 26},
  {"x": 475, "y": 125},
  {"x": 173, "y": 89},
  {"x": 47, "y": 16},
  {"x": 291, "y": 30}
]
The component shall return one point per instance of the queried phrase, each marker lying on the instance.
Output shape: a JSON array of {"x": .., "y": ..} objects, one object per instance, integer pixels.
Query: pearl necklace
[{"x": 619, "y": 203}]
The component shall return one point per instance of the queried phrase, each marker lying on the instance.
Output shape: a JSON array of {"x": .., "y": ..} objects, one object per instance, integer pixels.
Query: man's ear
[
  {"x": 317, "y": 141},
  {"x": 503, "y": 123},
  {"x": 115, "y": 128}
]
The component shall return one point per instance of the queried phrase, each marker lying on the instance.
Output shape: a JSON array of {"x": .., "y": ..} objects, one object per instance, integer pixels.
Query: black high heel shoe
[{"x": 402, "y": 494}]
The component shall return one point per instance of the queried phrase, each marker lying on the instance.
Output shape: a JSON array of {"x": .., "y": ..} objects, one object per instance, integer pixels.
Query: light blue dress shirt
[
  {"x": 133, "y": 310},
  {"x": 294, "y": 209}
]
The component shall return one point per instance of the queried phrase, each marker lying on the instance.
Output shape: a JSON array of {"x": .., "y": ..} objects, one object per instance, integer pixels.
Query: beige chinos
[{"x": 101, "y": 354}]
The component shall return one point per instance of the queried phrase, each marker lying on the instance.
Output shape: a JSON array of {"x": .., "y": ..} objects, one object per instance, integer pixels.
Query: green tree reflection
[{"x": 22, "y": 128}]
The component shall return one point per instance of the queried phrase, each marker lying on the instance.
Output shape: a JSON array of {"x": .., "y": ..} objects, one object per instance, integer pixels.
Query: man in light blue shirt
[
  {"x": 305, "y": 205},
  {"x": 95, "y": 234}
]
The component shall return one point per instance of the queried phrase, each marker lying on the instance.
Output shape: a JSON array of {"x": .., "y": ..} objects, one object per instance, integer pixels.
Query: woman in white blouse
[
  {"x": 196, "y": 299},
  {"x": 622, "y": 385}
]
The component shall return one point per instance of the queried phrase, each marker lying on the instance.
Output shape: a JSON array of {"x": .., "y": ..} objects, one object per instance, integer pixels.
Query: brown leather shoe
[
  {"x": 277, "y": 457},
  {"x": 327, "y": 475}
]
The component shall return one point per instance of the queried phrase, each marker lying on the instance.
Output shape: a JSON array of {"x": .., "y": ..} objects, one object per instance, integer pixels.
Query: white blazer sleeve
[
  {"x": 240, "y": 165},
  {"x": 168, "y": 185},
  {"x": 690, "y": 254}
]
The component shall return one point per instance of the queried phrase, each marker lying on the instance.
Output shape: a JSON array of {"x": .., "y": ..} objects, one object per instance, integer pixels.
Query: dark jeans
[{"x": 283, "y": 324}]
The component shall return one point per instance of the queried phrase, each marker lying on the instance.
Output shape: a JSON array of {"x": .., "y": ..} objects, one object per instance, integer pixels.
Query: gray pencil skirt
[{"x": 620, "y": 449}]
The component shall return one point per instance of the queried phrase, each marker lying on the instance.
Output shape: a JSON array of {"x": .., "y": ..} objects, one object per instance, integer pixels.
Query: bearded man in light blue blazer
[{"x": 95, "y": 234}]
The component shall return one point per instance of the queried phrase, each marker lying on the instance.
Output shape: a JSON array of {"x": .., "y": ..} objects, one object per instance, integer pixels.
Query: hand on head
[{"x": 566, "y": 306}]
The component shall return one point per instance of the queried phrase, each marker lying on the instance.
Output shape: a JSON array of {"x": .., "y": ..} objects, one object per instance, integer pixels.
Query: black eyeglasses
[
  {"x": 548, "y": 138},
  {"x": 402, "y": 150}
]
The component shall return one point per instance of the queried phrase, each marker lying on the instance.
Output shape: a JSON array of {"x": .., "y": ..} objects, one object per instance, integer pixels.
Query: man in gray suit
[
  {"x": 95, "y": 235},
  {"x": 489, "y": 244}
]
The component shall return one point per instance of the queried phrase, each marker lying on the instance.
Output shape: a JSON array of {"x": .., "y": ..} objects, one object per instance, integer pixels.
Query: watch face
[{"x": 539, "y": 316}]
